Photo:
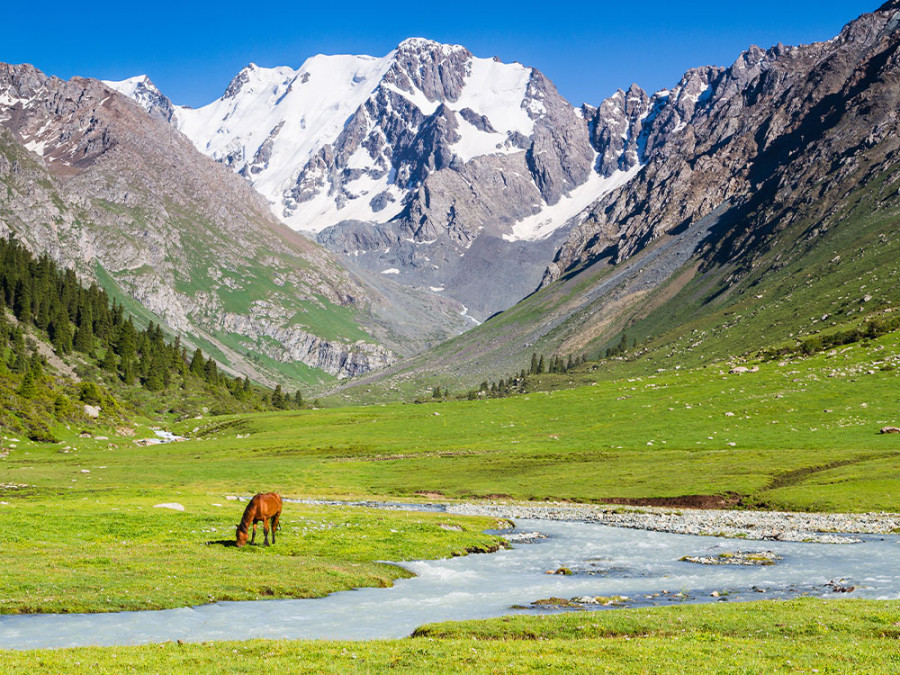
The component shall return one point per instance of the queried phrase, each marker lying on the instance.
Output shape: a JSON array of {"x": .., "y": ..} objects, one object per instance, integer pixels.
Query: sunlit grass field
[
  {"x": 81, "y": 531},
  {"x": 840, "y": 636},
  {"x": 797, "y": 434}
]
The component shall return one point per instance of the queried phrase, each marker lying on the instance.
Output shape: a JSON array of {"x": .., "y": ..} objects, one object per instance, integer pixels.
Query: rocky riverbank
[{"x": 827, "y": 528}]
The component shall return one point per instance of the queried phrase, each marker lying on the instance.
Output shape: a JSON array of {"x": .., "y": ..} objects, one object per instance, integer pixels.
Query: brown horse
[{"x": 265, "y": 508}]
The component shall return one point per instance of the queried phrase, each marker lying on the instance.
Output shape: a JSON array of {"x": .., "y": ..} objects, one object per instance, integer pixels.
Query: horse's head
[{"x": 240, "y": 536}]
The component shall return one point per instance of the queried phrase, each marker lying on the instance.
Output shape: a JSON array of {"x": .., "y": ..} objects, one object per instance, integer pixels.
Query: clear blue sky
[{"x": 589, "y": 49}]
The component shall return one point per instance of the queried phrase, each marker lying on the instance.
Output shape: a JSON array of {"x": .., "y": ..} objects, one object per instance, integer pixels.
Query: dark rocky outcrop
[{"x": 760, "y": 136}]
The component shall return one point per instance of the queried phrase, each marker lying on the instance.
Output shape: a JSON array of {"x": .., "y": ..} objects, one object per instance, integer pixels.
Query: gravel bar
[{"x": 823, "y": 528}]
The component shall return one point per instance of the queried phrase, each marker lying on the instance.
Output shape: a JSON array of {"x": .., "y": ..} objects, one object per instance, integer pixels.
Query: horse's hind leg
[
  {"x": 275, "y": 524},
  {"x": 266, "y": 531}
]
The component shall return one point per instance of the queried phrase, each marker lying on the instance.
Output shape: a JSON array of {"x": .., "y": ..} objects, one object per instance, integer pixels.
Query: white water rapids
[{"x": 605, "y": 561}]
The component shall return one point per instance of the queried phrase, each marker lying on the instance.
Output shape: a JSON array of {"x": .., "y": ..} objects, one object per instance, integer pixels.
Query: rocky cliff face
[
  {"x": 763, "y": 206},
  {"x": 422, "y": 164},
  {"x": 770, "y": 137},
  {"x": 458, "y": 175},
  {"x": 99, "y": 184}
]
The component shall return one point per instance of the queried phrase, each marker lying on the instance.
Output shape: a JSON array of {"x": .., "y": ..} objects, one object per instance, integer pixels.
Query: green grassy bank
[
  {"x": 801, "y": 433},
  {"x": 805, "y": 635}
]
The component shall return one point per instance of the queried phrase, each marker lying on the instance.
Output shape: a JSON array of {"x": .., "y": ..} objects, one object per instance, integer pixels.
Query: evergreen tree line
[
  {"x": 620, "y": 347},
  {"x": 516, "y": 383},
  {"x": 86, "y": 320}
]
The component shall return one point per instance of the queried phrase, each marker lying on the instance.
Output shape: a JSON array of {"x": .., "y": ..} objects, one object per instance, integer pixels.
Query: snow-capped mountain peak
[
  {"x": 405, "y": 161},
  {"x": 142, "y": 91},
  {"x": 339, "y": 138}
]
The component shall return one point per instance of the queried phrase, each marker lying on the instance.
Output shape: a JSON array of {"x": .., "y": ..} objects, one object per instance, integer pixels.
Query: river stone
[{"x": 745, "y": 558}]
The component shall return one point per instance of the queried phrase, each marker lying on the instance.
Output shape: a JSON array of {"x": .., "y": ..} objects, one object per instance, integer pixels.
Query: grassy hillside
[
  {"x": 799, "y": 433},
  {"x": 814, "y": 275},
  {"x": 73, "y": 355}
]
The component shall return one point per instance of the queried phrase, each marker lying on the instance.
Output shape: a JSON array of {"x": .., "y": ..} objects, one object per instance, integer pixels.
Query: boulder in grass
[
  {"x": 890, "y": 430},
  {"x": 175, "y": 506}
]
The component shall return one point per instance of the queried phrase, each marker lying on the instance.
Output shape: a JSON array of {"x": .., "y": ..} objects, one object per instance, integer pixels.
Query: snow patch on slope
[
  {"x": 550, "y": 218},
  {"x": 495, "y": 90}
]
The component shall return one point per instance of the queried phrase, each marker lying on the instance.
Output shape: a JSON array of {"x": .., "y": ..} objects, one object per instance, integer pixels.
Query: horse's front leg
[{"x": 253, "y": 538}]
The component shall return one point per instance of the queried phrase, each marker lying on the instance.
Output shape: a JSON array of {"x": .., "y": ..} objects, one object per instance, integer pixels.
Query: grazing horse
[{"x": 265, "y": 508}]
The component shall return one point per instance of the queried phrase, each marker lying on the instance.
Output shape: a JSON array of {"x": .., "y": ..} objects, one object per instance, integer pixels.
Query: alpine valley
[
  {"x": 341, "y": 217},
  {"x": 435, "y": 309}
]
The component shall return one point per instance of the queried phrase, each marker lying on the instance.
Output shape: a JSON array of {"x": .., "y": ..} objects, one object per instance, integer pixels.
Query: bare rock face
[
  {"x": 759, "y": 137},
  {"x": 127, "y": 200},
  {"x": 615, "y": 129},
  {"x": 560, "y": 156},
  {"x": 402, "y": 163},
  {"x": 436, "y": 70}
]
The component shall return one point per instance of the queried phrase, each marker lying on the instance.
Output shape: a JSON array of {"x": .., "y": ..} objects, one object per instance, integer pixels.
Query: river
[{"x": 605, "y": 561}]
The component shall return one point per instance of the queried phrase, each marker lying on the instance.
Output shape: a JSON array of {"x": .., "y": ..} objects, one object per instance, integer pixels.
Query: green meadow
[
  {"x": 799, "y": 434},
  {"x": 82, "y": 530},
  {"x": 839, "y": 636}
]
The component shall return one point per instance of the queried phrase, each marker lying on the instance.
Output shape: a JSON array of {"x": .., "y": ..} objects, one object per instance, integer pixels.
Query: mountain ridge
[
  {"x": 100, "y": 185},
  {"x": 403, "y": 163}
]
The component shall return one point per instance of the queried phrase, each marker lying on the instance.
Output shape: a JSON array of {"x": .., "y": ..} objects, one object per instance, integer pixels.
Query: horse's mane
[{"x": 247, "y": 518}]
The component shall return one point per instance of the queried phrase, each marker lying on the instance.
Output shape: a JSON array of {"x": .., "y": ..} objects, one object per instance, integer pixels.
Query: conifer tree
[
  {"x": 155, "y": 380},
  {"x": 28, "y": 388},
  {"x": 109, "y": 359},
  {"x": 60, "y": 331},
  {"x": 128, "y": 373},
  {"x": 211, "y": 371},
  {"x": 84, "y": 334},
  {"x": 278, "y": 397},
  {"x": 198, "y": 363}
]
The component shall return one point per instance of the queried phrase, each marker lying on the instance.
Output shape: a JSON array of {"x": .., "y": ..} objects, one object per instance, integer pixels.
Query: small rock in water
[
  {"x": 524, "y": 537},
  {"x": 838, "y": 587},
  {"x": 554, "y": 602},
  {"x": 746, "y": 558}
]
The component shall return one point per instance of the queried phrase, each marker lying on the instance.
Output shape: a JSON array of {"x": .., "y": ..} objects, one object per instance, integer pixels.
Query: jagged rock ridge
[
  {"x": 760, "y": 137},
  {"x": 445, "y": 170},
  {"x": 98, "y": 184}
]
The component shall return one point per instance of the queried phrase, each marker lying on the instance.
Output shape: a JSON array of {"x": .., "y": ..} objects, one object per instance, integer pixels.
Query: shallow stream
[{"x": 604, "y": 561}]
